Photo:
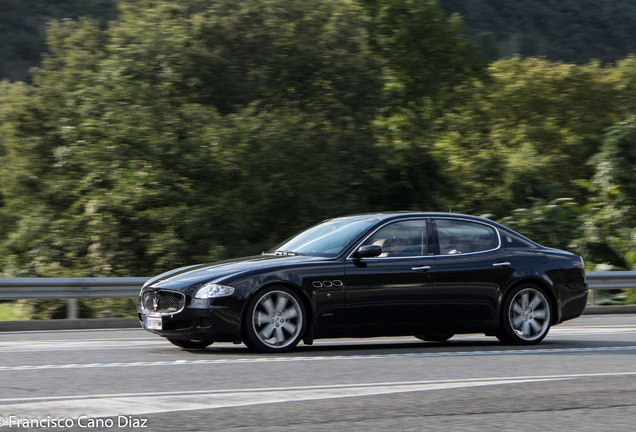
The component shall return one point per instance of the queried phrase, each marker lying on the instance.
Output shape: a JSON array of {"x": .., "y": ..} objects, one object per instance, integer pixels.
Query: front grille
[{"x": 163, "y": 302}]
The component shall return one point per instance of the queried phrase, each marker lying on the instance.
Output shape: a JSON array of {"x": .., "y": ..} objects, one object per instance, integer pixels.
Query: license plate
[{"x": 153, "y": 323}]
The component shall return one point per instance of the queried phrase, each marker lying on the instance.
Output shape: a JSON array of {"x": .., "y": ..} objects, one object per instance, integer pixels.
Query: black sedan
[{"x": 428, "y": 275}]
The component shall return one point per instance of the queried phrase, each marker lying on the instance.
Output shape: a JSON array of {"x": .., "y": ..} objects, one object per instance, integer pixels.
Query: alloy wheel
[
  {"x": 277, "y": 319},
  {"x": 529, "y": 314}
]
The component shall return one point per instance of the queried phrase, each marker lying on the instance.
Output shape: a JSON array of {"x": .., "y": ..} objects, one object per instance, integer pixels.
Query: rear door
[{"x": 471, "y": 270}]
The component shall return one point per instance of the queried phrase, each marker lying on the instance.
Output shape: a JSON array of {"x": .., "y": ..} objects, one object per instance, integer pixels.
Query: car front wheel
[
  {"x": 526, "y": 316},
  {"x": 274, "y": 320}
]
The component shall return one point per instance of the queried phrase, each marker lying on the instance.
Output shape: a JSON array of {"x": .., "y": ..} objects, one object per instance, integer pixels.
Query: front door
[{"x": 393, "y": 293}]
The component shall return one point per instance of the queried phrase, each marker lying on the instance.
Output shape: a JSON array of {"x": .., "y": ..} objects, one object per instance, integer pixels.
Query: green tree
[
  {"x": 423, "y": 58},
  {"x": 609, "y": 234},
  {"x": 527, "y": 133},
  {"x": 423, "y": 54},
  {"x": 557, "y": 224},
  {"x": 151, "y": 144}
]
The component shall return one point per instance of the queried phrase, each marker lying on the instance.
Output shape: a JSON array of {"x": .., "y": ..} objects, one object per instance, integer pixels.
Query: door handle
[
  {"x": 422, "y": 269},
  {"x": 501, "y": 264}
]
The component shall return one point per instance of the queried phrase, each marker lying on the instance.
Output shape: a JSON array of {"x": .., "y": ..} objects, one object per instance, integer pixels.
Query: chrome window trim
[
  {"x": 473, "y": 221},
  {"x": 156, "y": 314},
  {"x": 396, "y": 258},
  {"x": 425, "y": 218}
]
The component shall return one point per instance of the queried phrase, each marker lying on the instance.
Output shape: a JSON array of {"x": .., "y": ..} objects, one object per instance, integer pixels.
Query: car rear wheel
[
  {"x": 191, "y": 344},
  {"x": 526, "y": 316},
  {"x": 274, "y": 320},
  {"x": 435, "y": 338}
]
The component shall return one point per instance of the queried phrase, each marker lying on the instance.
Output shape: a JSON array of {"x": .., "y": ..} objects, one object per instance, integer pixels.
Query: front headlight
[{"x": 212, "y": 290}]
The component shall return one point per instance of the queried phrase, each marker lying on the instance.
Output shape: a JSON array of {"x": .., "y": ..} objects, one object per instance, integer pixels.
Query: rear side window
[{"x": 460, "y": 237}]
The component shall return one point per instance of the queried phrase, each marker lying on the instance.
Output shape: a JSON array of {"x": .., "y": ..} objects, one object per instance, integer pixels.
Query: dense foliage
[
  {"x": 571, "y": 31},
  {"x": 186, "y": 132}
]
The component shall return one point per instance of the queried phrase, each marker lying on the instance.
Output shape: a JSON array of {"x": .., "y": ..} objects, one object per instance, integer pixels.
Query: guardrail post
[{"x": 71, "y": 309}]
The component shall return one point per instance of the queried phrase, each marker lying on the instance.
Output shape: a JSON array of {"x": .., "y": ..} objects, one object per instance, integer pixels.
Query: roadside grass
[{"x": 9, "y": 312}]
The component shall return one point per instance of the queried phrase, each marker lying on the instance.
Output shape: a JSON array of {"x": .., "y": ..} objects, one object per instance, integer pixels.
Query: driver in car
[{"x": 396, "y": 246}]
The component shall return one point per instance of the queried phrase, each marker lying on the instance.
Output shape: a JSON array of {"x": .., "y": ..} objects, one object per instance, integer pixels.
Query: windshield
[{"x": 328, "y": 239}]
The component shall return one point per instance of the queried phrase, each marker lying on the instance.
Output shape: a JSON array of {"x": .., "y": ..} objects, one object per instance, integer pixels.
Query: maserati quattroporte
[{"x": 428, "y": 275}]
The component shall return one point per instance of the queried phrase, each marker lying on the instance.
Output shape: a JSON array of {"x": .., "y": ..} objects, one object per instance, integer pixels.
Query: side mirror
[{"x": 368, "y": 251}]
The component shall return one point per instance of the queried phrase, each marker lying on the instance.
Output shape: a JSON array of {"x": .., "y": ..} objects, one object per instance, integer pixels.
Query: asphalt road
[{"x": 581, "y": 378}]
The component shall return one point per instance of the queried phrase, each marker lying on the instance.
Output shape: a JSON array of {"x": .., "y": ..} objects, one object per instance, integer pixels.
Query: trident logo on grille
[{"x": 155, "y": 302}]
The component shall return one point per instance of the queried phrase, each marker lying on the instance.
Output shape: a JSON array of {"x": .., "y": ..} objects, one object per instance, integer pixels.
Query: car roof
[{"x": 403, "y": 214}]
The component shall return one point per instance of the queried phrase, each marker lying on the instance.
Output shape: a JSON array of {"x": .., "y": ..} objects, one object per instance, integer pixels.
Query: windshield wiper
[{"x": 282, "y": 253}]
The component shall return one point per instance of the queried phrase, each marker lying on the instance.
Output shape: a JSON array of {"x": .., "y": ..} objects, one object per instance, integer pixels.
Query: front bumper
[{"x": 197, "y": 322}]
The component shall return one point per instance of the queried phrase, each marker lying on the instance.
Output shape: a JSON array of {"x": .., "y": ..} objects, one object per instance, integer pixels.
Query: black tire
[
  {"x": 435, "y": 338},
  {"x": 274, "y": 320},
  {"x": 526, "y": 316},
  {"x": 190, "y": 344}
]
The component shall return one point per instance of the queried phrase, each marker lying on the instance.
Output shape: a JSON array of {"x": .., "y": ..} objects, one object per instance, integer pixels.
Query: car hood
[{"x": 187, "y": 276}]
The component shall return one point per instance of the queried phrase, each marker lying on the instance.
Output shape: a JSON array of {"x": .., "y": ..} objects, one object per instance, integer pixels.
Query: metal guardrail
[
  {"x": 113, "y": 287},
  {"x": 607, "y": 280},
  {"x": 70, "y": 288},
  {"x": 60, "y": 288}
]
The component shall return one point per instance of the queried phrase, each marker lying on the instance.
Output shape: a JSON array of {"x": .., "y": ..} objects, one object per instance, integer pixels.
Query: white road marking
[
  {"x": 153, "y": 404},
  {"x": 591, "y": 330},
  {"x": 233, "y": 361},
  {"x": 81, "y": 344},
  {"x": 153, "y": 341},
  {"x": 160, "y": 402}
]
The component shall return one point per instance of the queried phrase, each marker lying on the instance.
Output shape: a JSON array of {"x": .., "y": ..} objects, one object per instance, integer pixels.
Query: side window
[
  {"x": 458, "y": 237},
  {"x": 401, "y": 239}
]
